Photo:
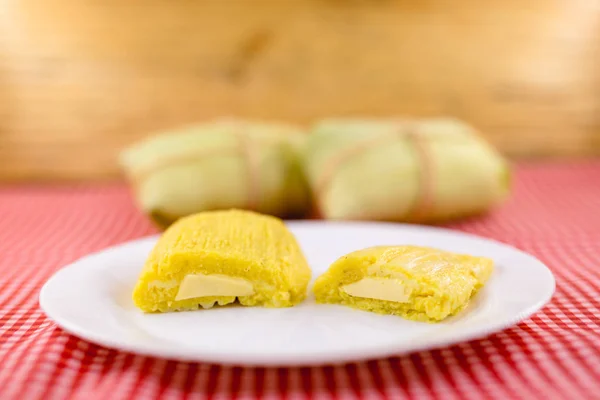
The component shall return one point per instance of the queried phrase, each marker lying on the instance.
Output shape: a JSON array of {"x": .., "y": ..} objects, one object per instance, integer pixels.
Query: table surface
[{"x": 554, "y": 214}]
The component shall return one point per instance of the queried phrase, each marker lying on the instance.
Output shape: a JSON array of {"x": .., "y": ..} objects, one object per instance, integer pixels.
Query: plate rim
[{"x": 307, "y": 359}]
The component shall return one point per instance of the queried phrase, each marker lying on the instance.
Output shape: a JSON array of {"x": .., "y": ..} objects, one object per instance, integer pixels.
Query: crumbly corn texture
[
  {"x": 240, "y": 244},
  {"x": 439, "y": 283}
]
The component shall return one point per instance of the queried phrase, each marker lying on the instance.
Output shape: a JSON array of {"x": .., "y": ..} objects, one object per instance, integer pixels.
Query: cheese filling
[
  {"x": 200, "y": 285},
  {"x": 378, "y": 289}
]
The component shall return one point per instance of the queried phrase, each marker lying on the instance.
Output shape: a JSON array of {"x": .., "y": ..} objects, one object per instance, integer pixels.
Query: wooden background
[{"x": 81, "y": 79}]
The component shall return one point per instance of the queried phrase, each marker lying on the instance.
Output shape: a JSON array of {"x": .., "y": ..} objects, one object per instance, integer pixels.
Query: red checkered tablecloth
[{"x": 554, "y": 214}]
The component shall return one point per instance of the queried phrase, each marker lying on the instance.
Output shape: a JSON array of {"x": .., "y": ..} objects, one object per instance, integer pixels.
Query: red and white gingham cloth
[{"x": 554, "y": 214}]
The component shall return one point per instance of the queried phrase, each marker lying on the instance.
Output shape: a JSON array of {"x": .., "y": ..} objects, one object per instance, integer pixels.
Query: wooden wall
[{"x": 81, "y": 79}]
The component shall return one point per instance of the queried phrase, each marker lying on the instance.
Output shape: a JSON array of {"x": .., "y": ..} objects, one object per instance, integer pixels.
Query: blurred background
[{"x": 81, "y": 79}]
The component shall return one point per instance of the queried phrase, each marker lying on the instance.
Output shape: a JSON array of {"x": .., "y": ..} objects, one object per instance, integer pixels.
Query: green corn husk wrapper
[
  {"x": 220, "y": 164},
  {"x": 428, "y": 170}
]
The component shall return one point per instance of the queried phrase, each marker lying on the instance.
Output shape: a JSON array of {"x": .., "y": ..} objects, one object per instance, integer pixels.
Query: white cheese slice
[
  {"x": 200, "y": 285},
  {"x": 378, "y": 289}
]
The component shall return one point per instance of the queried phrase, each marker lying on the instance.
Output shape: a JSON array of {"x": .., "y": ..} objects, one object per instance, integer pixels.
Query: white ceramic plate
[{"x": 91, "y": 298}]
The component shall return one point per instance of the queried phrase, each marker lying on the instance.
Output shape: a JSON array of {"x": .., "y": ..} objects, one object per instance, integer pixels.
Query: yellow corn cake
[
  {"x": 417, "y": 283},
  {"x": 216, "y": 257}
]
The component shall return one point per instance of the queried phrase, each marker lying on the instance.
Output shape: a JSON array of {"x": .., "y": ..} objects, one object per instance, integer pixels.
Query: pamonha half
[
  {"x": 413, "y": 282},
  {"x": 216, "y": 257}
]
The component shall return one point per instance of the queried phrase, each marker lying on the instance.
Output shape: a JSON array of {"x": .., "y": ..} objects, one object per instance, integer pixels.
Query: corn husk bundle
[
  {"x": 222, "y": 164},
  {"x": 402, "y": 170}
]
